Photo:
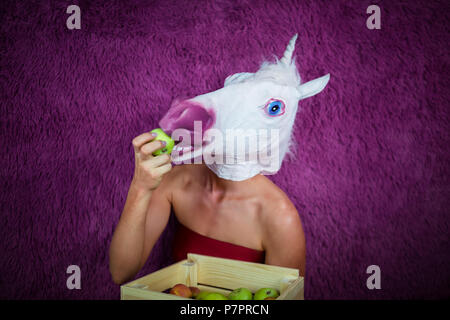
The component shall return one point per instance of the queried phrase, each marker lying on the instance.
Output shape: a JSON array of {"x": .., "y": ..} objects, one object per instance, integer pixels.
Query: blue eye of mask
[{"x": 275, "y": 108}]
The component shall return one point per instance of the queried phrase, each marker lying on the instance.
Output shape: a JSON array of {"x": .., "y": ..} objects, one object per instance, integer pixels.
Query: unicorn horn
[{"x": 287, "y": 56}]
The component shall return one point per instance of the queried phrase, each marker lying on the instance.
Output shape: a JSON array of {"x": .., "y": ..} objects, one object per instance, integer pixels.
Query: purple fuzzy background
[{"x": 371, "y": 180}]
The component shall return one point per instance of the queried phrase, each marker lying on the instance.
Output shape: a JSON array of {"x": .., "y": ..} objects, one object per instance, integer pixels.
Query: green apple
[
  {"x": 161, "y": 135},
  {"x": 240, "y": 294},
  {"x": 264, "y": 293},
  {"x": 215, "y": 296},
  {"x": 202, "y": 295}
]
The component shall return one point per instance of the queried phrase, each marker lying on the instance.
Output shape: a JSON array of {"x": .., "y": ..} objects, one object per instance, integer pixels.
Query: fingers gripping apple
[{"x": 152, "y": 158}]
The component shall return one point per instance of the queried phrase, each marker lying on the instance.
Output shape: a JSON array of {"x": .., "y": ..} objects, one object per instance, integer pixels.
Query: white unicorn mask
[{"x": 260, "y": 107}]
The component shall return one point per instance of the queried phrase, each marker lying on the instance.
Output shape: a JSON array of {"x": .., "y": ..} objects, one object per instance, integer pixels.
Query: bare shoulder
[
  {"x": 283, "y": 236},
  {"x": 277, "y": 201},
  {"x": 278, "y": 210}
]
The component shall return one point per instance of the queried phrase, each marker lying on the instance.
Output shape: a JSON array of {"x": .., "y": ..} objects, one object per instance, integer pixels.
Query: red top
[{"x": 188, "y": 241}]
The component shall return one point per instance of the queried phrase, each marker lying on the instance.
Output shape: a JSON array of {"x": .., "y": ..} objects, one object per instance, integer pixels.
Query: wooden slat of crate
[
  {"x": 232, "y": 274},
  {"x": 294, "y": 291},
  {"x": 162, "y": 279},
  {"x": 129, "y": 293},
  {"x": 213, "y": 289}
]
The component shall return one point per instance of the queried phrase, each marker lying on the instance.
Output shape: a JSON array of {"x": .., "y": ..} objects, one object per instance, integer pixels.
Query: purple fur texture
[{"x": 370, "y": 178}]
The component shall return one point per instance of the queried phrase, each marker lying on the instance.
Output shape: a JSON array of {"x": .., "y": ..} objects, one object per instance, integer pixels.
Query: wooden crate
[{"x": 215, "y": 275}]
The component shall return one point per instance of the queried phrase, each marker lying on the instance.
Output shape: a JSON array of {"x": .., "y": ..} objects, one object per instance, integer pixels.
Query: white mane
[{"x": 279, "y": 73}]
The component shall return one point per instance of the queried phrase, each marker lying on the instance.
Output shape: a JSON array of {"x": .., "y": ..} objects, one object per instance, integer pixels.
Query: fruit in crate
[
  {"x": 215, "y": 296},
  {"x": 181, "y": 290},
  {"x": 202, "y": 295},
  {"x": 264, "y": 293},
  {"x": 240, "y": 294},
  {"x": 195, "y": 291}
]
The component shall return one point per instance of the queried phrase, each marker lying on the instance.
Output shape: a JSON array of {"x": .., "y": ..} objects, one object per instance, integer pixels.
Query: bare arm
[
  {"x": 144, "y": 203},
  {"x": 284, "y": 239}
]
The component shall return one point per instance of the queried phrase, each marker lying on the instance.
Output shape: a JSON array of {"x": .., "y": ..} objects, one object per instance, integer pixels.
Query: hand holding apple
[
  {"x": 150, "y": 168},
  {"x": 162, "y": 136}
]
